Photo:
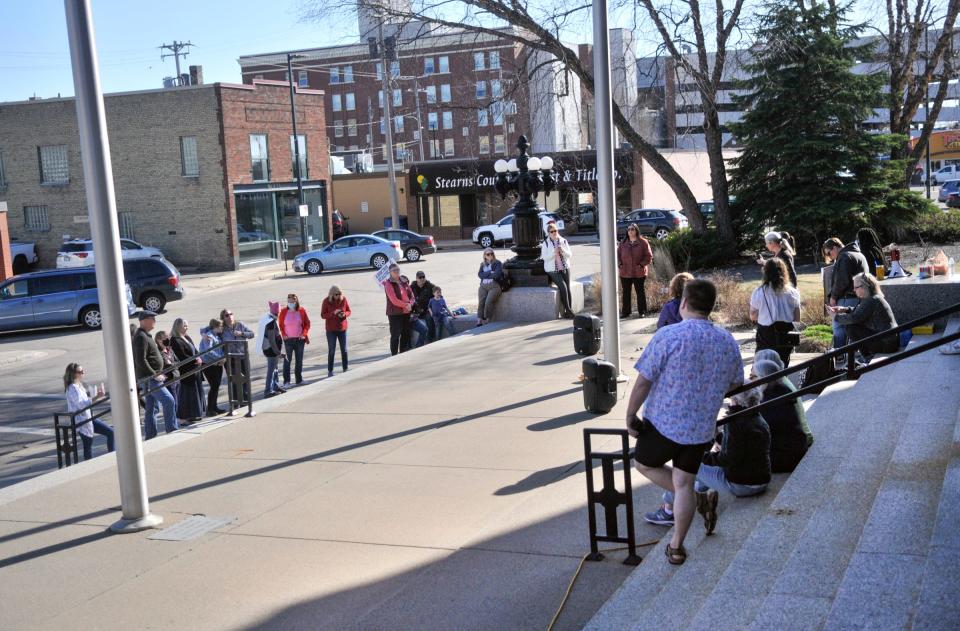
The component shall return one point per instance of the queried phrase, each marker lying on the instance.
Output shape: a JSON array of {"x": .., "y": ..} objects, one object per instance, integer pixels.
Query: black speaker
[
  {"x": 599, "y": 385},
  {"x": 586, "y": 334}
]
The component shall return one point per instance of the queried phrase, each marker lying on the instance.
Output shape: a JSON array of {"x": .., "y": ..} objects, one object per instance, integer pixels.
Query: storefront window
[
  {"x": 256, "y": 227},
  {"x": 447, "y": 210}
]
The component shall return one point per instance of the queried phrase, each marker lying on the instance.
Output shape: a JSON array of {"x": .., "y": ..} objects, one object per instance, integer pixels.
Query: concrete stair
[{"x": 862, "y": 535}]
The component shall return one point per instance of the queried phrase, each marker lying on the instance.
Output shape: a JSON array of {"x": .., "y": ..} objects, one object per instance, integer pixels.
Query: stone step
[{"x": 938, "y": 606}]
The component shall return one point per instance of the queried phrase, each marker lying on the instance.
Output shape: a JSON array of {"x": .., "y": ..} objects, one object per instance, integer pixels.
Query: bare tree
[{"x": 539, "y": 27}]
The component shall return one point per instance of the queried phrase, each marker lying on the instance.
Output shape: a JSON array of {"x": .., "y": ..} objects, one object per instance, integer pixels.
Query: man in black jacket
[
  {"x": 422, "y": 293},
  {"x": 848, "y": 261},
  {"x": 739, "y": 464},
  {"x": 148, "y": 364}
]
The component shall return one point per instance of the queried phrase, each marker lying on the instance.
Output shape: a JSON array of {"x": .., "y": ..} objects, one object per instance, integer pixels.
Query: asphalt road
[{"x": 31, "y": 389}]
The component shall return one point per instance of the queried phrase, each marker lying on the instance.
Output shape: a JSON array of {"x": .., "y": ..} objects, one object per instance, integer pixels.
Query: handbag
[
  {"x": 505, "y": 282},
  {"x": 786, "y": 333}
]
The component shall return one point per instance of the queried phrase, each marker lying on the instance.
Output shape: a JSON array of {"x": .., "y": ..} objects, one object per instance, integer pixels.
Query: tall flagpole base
[{"x": 126, "y": 526}]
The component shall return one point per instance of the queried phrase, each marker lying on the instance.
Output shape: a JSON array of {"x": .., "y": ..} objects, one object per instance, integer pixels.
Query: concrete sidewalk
[{"x": 442, "y": 488}]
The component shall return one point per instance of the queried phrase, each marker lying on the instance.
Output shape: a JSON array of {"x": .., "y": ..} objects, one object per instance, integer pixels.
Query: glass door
[{"x": 257, "y": 237}]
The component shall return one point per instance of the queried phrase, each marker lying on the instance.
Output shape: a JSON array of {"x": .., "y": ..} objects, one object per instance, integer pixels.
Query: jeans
[
  {"x": 441, "y": 324},
  {"x": 332, "y": 338},
  {"x": 562, "y": 281},
  {"x": 839, "y": 334},
  {"x": 294, "y": 351},
  {"x": 213, "y": 375},
  {"x": 399, "y": 332},
  {"x": 162, "y": 398},
  {"x": 711, "y": 477},
  {"x": 420, "y": 326},
  {"x": 271, "y": 380},
  {"x": 627, "y": 285},
  {"x": 486, "y": 297},
  {"x": 99, "y": 427}
]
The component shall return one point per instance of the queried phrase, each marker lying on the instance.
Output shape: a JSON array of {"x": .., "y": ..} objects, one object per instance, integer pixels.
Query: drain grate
[{"x": 191, "y": 528}]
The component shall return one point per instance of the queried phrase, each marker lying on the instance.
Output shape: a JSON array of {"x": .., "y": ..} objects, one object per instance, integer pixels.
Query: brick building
[{"x": 205, "y": 173}]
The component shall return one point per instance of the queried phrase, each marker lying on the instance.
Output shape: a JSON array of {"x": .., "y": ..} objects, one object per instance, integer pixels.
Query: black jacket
[
  {"x": 787, "y": 259},
  {"x": 790, "y": 437},
  {"x": 422, "y": 295},
  {"x": 744, "y": 451},
  {"x": 874, "y": 313},
  {"x": 147, "y": 360},
  {"x": 849, "y": 263}
]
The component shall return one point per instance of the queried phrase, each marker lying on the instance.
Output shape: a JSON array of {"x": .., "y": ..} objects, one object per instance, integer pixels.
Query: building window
[
  {"x": 484, "y": 144},
  {"x": 189, "y": 164},
  {"x": 3, "y": 173},
  {"x": 398, "y": 123},
  {"x": 448, "y": 120},
  {"x": 432, "y": 121},
  {"x": 351, "y": 101},
  {"x": 481, "y": 89},
  {"x": 125, "y": 219},
  {"x": 397, "y": 97},
  {"x": 434, "y": 148},
  {"x": 498, "y": 146},
  {"x": 380, "y": 98},
  {"x": 448, "y": 147},
  {"x": 302, "y": 142},
  {"x": 445, "y": 93},
  {"x": 494, "y": 59},
  {"x": 383, "y": 127},
  {"x": 351, "y": 127},
  {"x": 338, "y": 129},
  {"x": 478, "y": 61},
  {"x": 483, "y": 119},
  {"x": 337, "y": 103},
  {"x": 495, "y": 90},
  {"x": 428, "y": 66},
  {"x": 443, "y": 64},
  {"x": 35, "y": 219},
  {"x": 399, "y": 152},
  {"x": 258, "y": 77},
  {"x": 347, "y": 74},
  {"x": 53, "y": 165},
  {"x": 334, "y": 75},
  {"x": 395, "y": 69},
  {"x": 431, "y": 94},
  {"x": 379, "y": 71},
  {"x": 496, "y": 112},
  {"x": 302, "y": 79},
  {"x": 259, "y": 157}
]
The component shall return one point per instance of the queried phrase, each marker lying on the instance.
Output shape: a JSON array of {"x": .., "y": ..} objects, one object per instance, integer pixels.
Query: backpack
[{"x": 822, "y": 369}]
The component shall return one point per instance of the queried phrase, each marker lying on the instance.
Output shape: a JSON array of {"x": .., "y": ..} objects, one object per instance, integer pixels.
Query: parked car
[
  {"x": 502, "y": 231},
  {"x": 154, "y": 282},
  {"x": 341, "y": 227},
  {"x": 356, "y": 250},
  {"x": 945, "y": 174},
  {"x": 953, "y": 201},
  {"x": 584, "y": 219},
  {"x": 53, "y": 298},
  {"x": 655, "y": 222},
  {"x": 412, "y": 244},
  {"x": 948, "y": 188},
  {"x": 79, "y": 252},
  {"x": 24, "y": 255},
  {"x": 250, "y": 236}
]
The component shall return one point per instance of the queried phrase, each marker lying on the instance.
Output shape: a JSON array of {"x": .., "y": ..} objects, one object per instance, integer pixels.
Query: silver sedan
[{"x": 355, "y": 250}]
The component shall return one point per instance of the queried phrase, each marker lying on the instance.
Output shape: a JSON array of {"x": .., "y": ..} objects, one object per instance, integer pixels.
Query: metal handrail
[{"x": 852, "y": 371}]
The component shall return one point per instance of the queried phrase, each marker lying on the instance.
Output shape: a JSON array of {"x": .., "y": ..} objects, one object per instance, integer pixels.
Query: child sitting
[{"x": 442, "y": 318}]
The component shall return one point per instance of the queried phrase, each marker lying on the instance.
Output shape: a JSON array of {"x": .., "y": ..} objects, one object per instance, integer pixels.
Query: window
[
  {"x": 399, "y": 152},
  {"x": 494, "y": 59},
  {"x": 16, "y": 289},
  {"x": 350, "y": 101},
  {"x": 302, "y": 147},
  {"x": 496, "y": 113},
  {"x": 498, "y": 145},
  {"x": 259, "y": 157},
  {"x": 428, "y": 65},
  {"x": 351, "y": 127},
  {"x": 394, "y": 69},
  {"x": 58, "y": 284},
  {"x": 432, "y": 121},
  {"x": 448, "y": 147},
  {"x": 443, "y": 63},
  {"x": 434, "y": 148},
  {"x": 334, "y": 75},
  {"x": 431, "y": 94},
  {"x": 383, "y": 127},
  {"x": 445, "y": 93},
  {"x": 484, "y": 144},
  {"x": 379, "y": 71},
  {"x": 338, "y": 129},
  {"x": 347, "y": 74},
  {"x": 302, "y": 80},
  {"x": 448, "y": 120},
  {"x": 398, "y": 123},
  {"x": 495, "y": 90},
  {"x": 258, "y": 77},
  {"x": 481, "y": 89},
  {"x": 35, "y": 219},
  {"x": 53, "y": 165},
  {"x": 397, "y": 97},
  {"x": 3, "y": 174},
  {"x": 189, "y": 165},
  {"x": 478, "y": 61},
  {"x": 337, "y": 103},
  {"x": 483, "y": 118},
  {"x": 125, "y": 219},
  {"x": 380, "y": 98}
]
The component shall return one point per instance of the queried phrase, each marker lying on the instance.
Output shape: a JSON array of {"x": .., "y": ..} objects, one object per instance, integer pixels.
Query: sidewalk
[
  {"x": 209, "y": 281},
  {"x": 442, "y": 488}
]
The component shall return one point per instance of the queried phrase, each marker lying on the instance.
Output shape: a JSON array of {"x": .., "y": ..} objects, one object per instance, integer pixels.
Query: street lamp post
[
  {"x": 526, "y": 176},
  {"x": 296, "y": 154}
]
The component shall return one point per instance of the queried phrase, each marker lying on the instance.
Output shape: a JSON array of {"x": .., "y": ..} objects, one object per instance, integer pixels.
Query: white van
[{"x": 945, "y": 174}]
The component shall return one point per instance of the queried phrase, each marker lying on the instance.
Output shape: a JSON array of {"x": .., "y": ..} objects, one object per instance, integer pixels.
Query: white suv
[
  {"x": 946, "y": 174},
  {"x": 502, "y": 231},
  {"x": 79, "y": 252}
]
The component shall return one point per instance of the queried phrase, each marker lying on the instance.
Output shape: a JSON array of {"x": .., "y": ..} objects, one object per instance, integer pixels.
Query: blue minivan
[{"x": 53, "y": 298}]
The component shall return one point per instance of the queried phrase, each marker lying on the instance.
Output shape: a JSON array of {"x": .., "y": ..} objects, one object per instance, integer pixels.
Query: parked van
[{"x": 945, "y": 174}]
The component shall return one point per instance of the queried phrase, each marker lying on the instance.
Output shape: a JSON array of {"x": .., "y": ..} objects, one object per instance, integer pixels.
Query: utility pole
[
  {"x": 296, "y": 152},
  {"x": 175, "y": 49},
  {"x": 385, "y": 57},
  {"x": 369, "y": 127},
  {"x": 416, "y": 96},
  {"x": 102, "y": 209}
]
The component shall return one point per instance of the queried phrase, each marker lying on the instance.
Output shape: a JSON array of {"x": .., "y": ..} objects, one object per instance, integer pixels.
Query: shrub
[
  {"x": 689, "y": 251},
  {"x": 816, "y": 339},
  {"x": 813, "y": 312},
  {"x": 733, "y": 300},
  {"x": 937, "y": 226}
]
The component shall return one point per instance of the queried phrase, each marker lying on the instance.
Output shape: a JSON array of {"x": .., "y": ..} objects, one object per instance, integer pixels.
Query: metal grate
[
  {"x": 35, "y": 218},
  {"x": 54, "y": 167},
  {"x": 125, "y": 219},
  {"x": 190, "y": 528}
]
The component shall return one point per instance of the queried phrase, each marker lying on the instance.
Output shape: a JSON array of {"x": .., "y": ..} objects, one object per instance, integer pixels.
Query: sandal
[
  {"x": 707, "y": 506},
  {"x": 676, "y": 556}
]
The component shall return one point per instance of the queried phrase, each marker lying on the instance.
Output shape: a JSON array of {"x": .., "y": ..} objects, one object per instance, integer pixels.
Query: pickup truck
[{"x": 24, "y": 255}]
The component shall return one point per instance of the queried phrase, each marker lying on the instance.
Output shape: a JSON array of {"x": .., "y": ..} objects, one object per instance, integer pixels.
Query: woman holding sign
[{"x": 399, "y": 307}]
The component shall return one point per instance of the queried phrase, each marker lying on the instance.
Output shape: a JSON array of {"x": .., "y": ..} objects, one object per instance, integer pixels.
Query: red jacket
[
  {"x": 304, "y": 320},
  {"x": 329, "y": 310},
  {"x": 633, "y": 257},
  {"x": 399, "y": 298}
]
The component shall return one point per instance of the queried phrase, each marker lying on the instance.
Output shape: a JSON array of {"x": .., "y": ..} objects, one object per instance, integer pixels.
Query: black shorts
[{"x": 654, "y": 450}]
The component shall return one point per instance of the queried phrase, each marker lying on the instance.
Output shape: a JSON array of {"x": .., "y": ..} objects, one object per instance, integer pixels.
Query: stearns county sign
[{"x": 456, "y": 177}]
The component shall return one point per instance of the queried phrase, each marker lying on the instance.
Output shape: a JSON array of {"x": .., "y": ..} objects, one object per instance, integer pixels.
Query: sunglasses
[{"x": 552, "y": 231}]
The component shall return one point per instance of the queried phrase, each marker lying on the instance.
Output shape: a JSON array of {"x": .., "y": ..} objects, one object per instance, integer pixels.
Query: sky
[{"x": 35, "y": 57}]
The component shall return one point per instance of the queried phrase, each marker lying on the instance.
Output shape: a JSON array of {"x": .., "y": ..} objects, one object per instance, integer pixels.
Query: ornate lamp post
[{"x": 526, "y": 176}]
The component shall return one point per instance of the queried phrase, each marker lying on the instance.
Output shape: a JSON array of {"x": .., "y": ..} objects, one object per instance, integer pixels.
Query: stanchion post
[{"x": 246, "y": 378}]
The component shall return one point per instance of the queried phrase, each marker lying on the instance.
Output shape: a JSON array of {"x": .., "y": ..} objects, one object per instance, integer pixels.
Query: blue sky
[{"x": 35, "y": 59}]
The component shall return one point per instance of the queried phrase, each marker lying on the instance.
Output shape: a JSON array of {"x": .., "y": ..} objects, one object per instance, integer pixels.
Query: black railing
[{"x": 65, "y": 424}]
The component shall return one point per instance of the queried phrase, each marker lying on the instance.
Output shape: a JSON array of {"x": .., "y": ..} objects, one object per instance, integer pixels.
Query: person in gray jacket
[
  {"x": 848, "y": 261},
  {"x": 235, "y": 334},
  {"x": 870, "y": 316}
]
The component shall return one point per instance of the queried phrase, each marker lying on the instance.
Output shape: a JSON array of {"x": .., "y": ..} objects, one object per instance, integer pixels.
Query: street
[{"x": 32, "y": 385}]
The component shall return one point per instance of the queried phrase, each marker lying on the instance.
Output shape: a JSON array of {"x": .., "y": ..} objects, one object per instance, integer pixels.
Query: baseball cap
[{"x": 146, "y": 315}]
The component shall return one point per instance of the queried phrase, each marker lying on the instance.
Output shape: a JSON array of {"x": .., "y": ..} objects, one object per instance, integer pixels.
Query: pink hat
[{"x": 274, "y": 307}]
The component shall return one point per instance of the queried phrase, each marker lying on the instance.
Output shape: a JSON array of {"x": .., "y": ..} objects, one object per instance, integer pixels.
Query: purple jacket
[{"x": 670, "y": 314}]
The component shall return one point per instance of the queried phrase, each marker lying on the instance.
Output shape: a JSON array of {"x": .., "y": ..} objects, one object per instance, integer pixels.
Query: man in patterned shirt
[{"x": 683, "y": 376}]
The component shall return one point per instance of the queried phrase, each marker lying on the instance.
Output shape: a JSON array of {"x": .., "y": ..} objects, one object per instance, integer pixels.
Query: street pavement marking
[{"x": 26, "y": 430}]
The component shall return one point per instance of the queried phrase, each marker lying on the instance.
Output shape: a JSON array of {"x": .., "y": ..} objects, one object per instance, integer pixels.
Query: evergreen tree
[{"x": 808, "y": 165}]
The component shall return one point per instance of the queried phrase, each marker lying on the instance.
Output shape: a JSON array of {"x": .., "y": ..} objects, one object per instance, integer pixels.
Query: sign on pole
[
  {"x": 304, "y": 210},
  {"x": 383, "y": 273}
]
